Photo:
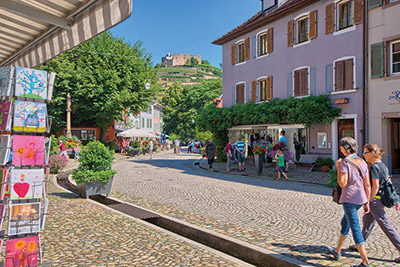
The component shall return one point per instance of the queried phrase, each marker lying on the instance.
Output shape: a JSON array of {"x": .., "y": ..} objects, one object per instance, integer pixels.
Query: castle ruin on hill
[{"x": 178, "y": 59}]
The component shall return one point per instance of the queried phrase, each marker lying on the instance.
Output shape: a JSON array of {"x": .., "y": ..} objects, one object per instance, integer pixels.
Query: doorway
[
  {"x": 395, "y": 144},
  {"x": 345, "y": 129}
]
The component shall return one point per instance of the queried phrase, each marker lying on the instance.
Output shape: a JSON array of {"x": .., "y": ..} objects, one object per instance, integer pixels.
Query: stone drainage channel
[{"x": 238, "y": 249}]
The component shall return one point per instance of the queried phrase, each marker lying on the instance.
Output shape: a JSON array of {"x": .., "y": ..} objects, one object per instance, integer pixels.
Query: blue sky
[{"x": 184, "y": 26}]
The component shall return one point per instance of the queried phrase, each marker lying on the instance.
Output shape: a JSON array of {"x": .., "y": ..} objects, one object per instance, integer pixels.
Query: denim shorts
[
  {"x": 350, "y": 221},
  {"x": 281, "y": 169}
]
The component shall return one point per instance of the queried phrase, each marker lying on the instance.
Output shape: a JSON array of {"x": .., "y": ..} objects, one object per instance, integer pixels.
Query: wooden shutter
[
  {"x": 269, "y": 88},
  {"x": 377, "y": 61},
  {"x": 330, "y": 18},
  {"x": 233, "y": 54},
  {"x": 296, "y": 83},
  {"x": 339, "y": 75},
  {"x": 247, "y": 49},
  {"x": 348, "y": 74},
  {"x": 254, "y": 90},
  {"x": 358, "y": 11},
  {"x": 304, "y": 82},
  {"x": 313, "y": 24},
  {"x": 270, "y": 40},
  {"x": 374, "y": 3},
  {"x": 240, "y": 93},
  {"x": 290, "y": 33}
]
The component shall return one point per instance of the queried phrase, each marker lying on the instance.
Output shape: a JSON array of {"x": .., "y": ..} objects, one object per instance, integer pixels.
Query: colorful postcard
[
  {"x": 5, "y": 145},
  {"x": 22, "y": 252},
  {"x": 6, "y": 78},
  {"x": 26, "y": 183},
  {"x": 28, "y": 150},
  {"x": 46, "y": 205},
  {"x": 31, "y": 83},
  {"x": 3, "y": 180},
  {"x": 30, "y": 116},
  {"x": 5, "y": 115},
  {"x": 24, "y": 218}
]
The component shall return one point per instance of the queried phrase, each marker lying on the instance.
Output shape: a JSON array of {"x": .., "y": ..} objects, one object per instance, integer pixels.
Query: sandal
[
  {"x": 397, "y": 260},
  {"x": 354, "y": 248}
]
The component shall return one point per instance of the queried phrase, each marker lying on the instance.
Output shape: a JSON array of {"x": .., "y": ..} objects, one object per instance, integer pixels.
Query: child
[{"x": 281, "y": 159}]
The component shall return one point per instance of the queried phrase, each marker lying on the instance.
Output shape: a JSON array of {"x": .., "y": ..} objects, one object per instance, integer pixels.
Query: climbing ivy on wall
[{"x": 307, "y": 110}]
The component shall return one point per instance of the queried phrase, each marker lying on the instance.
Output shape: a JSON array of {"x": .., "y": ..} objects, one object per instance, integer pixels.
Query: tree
[
  {"x": 194, "y": 61},
  {"x": 104, "y": 76},
  {"x": 205, "y": 62},
  {"x": 183, "y": 104}
]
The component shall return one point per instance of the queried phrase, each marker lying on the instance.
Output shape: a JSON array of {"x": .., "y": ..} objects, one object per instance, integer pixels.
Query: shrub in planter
[
  {"x": 95, "y": 161},
  {"x": 324, "y": 163},
  {"x": 56, "y": 163}
]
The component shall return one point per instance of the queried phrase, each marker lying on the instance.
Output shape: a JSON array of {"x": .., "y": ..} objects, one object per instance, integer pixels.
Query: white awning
[{"x": 35, "y": 31}]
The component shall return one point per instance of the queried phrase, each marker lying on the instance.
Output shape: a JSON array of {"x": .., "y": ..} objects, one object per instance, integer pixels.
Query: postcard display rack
[{"x": 24, "y": 154}]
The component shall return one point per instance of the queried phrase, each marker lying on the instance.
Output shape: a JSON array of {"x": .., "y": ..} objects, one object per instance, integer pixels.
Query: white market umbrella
[{"x": 134, "y": 133}]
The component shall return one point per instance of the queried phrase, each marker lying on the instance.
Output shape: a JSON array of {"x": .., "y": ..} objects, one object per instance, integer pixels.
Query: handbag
[{"x": 337, "y": 192}]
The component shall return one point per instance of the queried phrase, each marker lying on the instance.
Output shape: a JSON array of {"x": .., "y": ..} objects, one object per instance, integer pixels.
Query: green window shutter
[
  {"x": 374, "y": 3},
  {"x": 377, "y": 60}
]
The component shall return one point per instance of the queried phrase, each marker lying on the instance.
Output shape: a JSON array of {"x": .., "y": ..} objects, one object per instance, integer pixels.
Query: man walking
[
  {"x": 151, "y": 148},
  {"x": 210, "y": 150},
  {"x": 240, "y": 147}
]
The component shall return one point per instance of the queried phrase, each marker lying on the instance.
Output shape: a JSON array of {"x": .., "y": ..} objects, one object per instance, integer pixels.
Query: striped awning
[{"x": 34, "y": 31}]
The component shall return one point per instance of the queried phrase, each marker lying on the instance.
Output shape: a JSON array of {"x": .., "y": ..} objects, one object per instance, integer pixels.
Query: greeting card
[
  {"x": 6, "y": 77},
  {"x": 26, "y": 183},
  {"x": 31, "y": 83},
  {"x": 29, "y": 116},
  {"x": 24, "y": 219},
  {"x": 28, "y": 150},
  {"x": 3, "y": 180},
  {"x": 22, "y": 251}
]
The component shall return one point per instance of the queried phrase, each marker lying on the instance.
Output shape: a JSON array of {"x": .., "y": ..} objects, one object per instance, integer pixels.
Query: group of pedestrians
[{"x": 355, "y": 176}]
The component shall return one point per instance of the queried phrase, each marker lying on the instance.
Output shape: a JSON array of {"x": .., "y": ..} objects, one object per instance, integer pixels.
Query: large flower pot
[
  {"x": 325, "y": 168},
  {"x": 259, "y": 160},
  {"x": 87, "y": 189}
]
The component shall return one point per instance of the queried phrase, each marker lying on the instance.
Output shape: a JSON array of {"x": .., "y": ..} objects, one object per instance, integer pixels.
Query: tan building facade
[
  {"x": 179, "y": 59},
  {"x": 383, "y": 97}
]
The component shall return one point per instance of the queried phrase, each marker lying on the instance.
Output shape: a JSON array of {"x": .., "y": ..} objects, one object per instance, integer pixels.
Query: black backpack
[{"x": 389, "y": 195}]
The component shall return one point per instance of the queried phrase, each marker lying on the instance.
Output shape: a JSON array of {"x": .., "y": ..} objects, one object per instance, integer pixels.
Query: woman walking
[
  {"x": 353, "y": 178},
  {"x": 378, "y": 173}
]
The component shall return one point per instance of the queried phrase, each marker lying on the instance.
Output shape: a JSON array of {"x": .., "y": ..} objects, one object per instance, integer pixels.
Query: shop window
[{"x": 322, "y": 140}]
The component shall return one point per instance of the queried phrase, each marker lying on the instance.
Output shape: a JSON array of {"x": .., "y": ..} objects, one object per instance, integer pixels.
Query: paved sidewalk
[{"x": 79, "y": 232}]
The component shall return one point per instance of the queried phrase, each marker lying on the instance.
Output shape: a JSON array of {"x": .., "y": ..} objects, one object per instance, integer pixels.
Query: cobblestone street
[{"x": 290, "y": 218}]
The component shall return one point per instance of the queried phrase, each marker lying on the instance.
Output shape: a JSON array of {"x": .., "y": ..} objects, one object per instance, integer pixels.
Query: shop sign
[{"x": 394, "y": 98}]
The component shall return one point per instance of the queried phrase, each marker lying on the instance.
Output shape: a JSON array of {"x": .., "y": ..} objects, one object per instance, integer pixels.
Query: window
[
  {"x": 84, "y": 135},
  {"x": 302, "y": 29},
  {"x": 322, "y": 142},
  {"x": 262, "y": 44},
  {"x": 240, "y": 93},
  {"x": 344, "y": 74},
  {"x": 345, "y": 14},
  {"x": 265, "y": 89},
  {"x": 300, "y": 82},
  {"x": 240, "y": 52},
  {"x": 394, "y": 56}
]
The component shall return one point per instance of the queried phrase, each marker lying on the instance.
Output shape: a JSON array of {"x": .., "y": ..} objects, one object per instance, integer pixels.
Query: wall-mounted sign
[{"x": 394, "y": 98}]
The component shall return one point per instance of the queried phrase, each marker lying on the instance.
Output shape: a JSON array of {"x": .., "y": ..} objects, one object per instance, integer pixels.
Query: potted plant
[
  {"x": 259, "y": 153},
  {"x": 324, "y": 163},
  {"x": 94, "y": 175}
]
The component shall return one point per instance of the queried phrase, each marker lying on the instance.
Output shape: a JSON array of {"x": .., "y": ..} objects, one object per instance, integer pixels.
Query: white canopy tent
[{"x": 134, "y": 132}]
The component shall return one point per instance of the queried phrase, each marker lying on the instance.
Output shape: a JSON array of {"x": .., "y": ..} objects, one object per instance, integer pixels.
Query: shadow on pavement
[
  {"x": 63, "y": 195},
  {"x": 187, "y": 167}
]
